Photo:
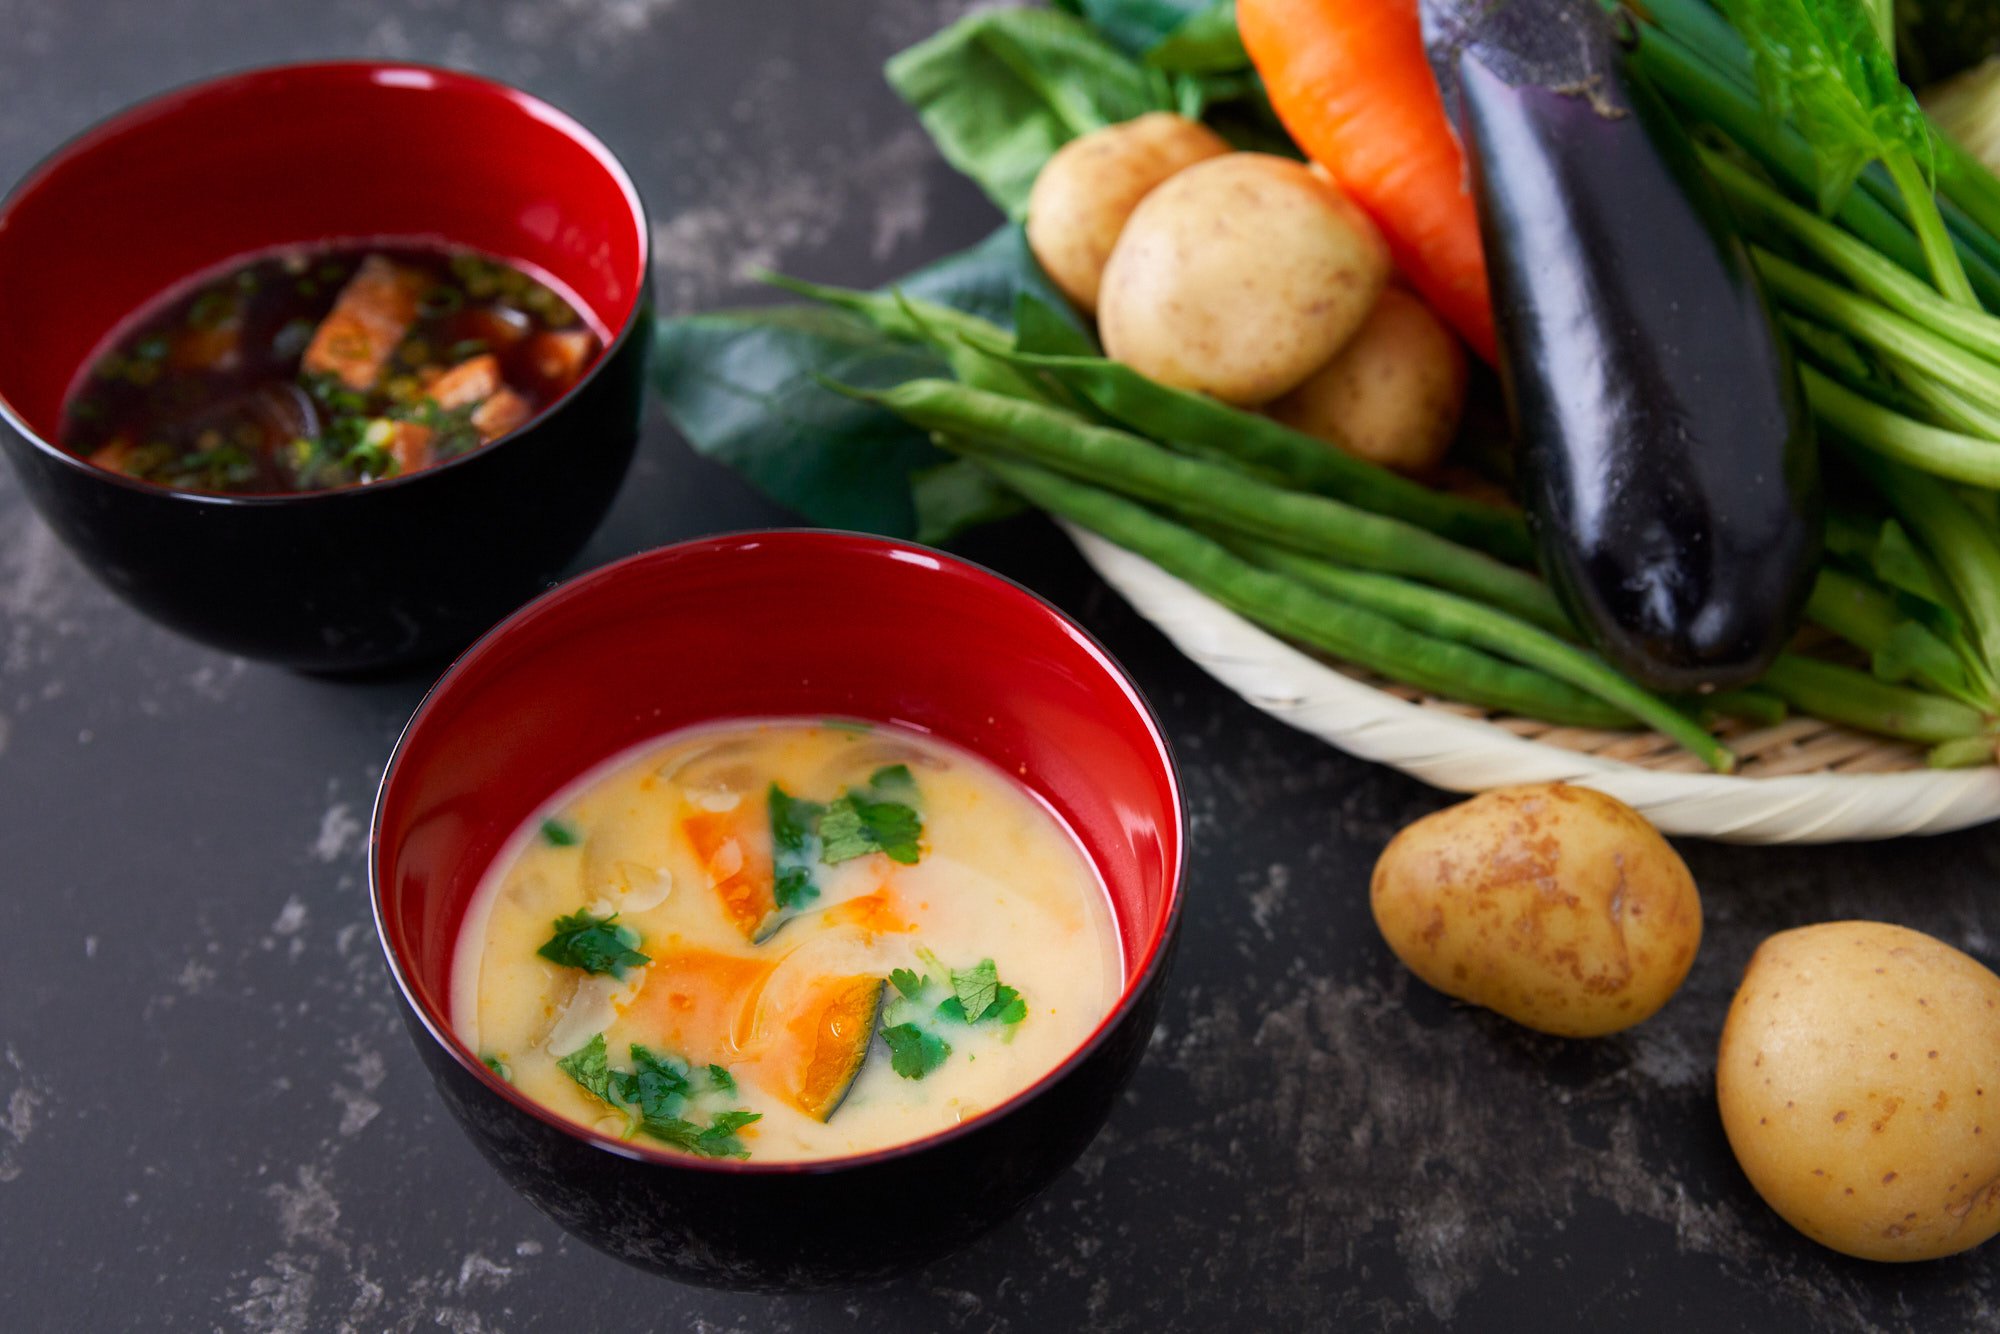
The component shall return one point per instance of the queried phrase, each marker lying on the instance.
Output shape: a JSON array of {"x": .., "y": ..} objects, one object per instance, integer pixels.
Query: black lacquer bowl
[
  {"x": 365, "y": 577},
  {"x": 763, "y": 625}
]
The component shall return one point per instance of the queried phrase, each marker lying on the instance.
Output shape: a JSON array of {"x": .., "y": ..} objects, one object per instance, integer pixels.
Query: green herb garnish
[
  {"x": 795, "y": 842},
  {"x": 588, "y": 1067},
  {"x": 922, "y": 1010},
  {"x": 499, "y": 1067},
  {"x": 913, "y": 1051},
  {"x": 595, "y": 944},
  {"x": 657, "y": 1093},
  {"x": 557, "y": 833},
  {"x": 880, "y": 818}
]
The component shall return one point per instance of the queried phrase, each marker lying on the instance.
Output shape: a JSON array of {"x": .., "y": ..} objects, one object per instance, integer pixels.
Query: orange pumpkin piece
[
  {"x": 832, "y": 1032},
  {"x": 697, "y": 1001},
  {"x": 879, "y": 913},
  {"x": 735, "y": 850}
]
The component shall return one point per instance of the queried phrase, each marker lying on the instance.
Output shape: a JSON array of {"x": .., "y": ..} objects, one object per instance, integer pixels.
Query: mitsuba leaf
[
  {"x": 795, "y": 846},
  {"x": 589, "y": 1067},
  {"x": 913, "y": 1052},
  {"x": 595, "y": 944},
  {"x": 1001, "y": 90}
]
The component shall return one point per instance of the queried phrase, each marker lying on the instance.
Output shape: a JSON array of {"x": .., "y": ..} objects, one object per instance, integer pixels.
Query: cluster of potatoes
[
  {"x": 1249, "y": 277},
  {"x": 1859, "y": 1065}
]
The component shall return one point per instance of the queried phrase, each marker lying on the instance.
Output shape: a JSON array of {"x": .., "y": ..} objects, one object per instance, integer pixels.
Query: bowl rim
[
  {"x": 1139, "y": 980},
  {"x": 85, "y": 140}
]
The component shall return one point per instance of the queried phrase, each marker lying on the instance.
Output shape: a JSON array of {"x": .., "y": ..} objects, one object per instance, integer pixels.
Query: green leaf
[
  {"x": 976, "y": 987},
  {"x": 855, "y": 825},
  {"x": 721, "y": 1080},
  {"x": 1821, "y": 65},
  {"x": 560, "y": 835},
  {"x": 499, "y": 1067},
  {"x": 588, "y": 1066},
  {"x": 1045, "y": 329},
  {"x": 795, "y": 846},
  {"x": 914, "y": 1053},
  {"x": 1138, "y": 26},
  {"x": 1001, "y": 90},
  {"x": 906, "y": 982},
  {"x": 1206, "y": 42},
  {"x": 595, "y": 944},
  {"x": 739, "y": 386}
]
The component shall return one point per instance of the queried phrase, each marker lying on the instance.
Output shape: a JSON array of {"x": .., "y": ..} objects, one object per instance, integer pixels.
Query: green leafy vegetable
[
  {"x": 1001, "y": 90},
  {"x": 595, "y": 944},
  {"x": 906, "y": 982},
  {"x": 657, "y": 1093},
  {"x": 499, "y": 1067},
  {"x": 558, "y": 834},
  {"x": 855, "y": 826},
  {"x": 914, "y": 1052},
  {"x": 1822, "y": 64},
  {"x": 1205, "y": 42},
  {"x": 588, "y": 1066},
  {"x": 795, "y": 845}
]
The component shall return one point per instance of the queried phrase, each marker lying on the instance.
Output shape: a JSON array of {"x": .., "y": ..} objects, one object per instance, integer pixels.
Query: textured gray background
[{"x": 210, "y": 1117}]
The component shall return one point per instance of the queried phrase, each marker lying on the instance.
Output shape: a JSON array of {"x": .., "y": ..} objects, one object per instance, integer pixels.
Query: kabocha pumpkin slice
[
  {"x": 831, "y": 1035},
  {"x": 734, "y": 848},
  {"x": 700, "y": 1001}
]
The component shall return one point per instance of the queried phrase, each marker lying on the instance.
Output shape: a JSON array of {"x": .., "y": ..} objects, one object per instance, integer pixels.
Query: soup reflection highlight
[{"x": 785, "y": 940}]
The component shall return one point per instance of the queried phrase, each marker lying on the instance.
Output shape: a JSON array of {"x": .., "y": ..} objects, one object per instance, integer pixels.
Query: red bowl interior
[
  {"x": 290, "y": 155},
  {"x": 765, "y": 624}
]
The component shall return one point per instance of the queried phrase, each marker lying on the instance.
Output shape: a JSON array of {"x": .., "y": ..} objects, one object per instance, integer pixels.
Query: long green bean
[
  {"x": 1210, "y": 429},
  {"x": 1214, "y": 493},
  {"x": 1347, "y": 632},
  {"x": 1452, "y": 617}
]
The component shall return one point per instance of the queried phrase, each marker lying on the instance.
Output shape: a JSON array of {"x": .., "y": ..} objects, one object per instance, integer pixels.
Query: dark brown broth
[{"x": 209, "y": 390}]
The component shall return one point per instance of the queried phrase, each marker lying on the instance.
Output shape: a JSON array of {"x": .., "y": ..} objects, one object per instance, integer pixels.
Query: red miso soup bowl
[
  {"x": 812, "y": 624},
  {"x": 367, "y": 576}
]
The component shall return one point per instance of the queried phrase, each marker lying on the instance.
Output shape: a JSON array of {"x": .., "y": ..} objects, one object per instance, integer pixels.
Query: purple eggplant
[{"x": 1667, "y": 457}]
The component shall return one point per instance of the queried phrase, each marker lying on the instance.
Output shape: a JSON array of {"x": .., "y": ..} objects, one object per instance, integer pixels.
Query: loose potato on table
[
  {"x": 1859, "y": 1083},
  {"x": 1239, "y": 277},
  {"x": 1084, "y": 194},
  {"x": 1393, "y": 395},
  {"x": 1557, "y": 906}
]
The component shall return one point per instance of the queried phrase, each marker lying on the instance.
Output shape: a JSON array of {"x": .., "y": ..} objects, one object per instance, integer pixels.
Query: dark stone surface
[{"x": 209, "y": 1117}]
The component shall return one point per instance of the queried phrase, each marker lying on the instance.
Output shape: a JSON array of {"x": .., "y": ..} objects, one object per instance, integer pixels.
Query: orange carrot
[{"x": 1350, "y": 81}]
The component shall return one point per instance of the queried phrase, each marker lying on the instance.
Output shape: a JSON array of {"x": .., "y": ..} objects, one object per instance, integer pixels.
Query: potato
[
  {"x": 1859, "y": 1082},
  {"x": 1084, "y": 194},
  {"x": 1393, "y": 395},
  {"x": 1239, "y": 277},
  {"x": 1557, "y": 906}
]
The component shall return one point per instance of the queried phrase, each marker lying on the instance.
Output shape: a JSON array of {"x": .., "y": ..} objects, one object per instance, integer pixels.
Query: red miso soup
[{"x": 311, "y": 369}]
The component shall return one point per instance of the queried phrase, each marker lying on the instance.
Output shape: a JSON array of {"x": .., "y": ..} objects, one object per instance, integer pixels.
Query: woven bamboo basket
[{"x": 1802, "y": 781}]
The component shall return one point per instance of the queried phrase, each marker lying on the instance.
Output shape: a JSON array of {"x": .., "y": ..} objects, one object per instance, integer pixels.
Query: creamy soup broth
[{"x": 791, "y": 919}]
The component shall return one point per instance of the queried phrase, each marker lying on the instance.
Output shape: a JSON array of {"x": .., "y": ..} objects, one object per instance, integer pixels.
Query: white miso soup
[{"x": 783, "y": 940}]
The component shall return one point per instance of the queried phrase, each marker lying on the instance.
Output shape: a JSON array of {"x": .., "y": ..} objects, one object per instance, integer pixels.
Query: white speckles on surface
[
  {"x": 24, "y": 1104},
  {"x": 291, "y": 918},
  {"x": 195, "y": 977},
  {"x": 340, "y": 833}
]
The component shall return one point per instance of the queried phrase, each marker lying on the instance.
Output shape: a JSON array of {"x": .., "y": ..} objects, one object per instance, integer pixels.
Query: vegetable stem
[
  {"x": 1940, "y": 252},
  {"x": 1843, "y": 695},
  {"x": 1892, "y": 435}
]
